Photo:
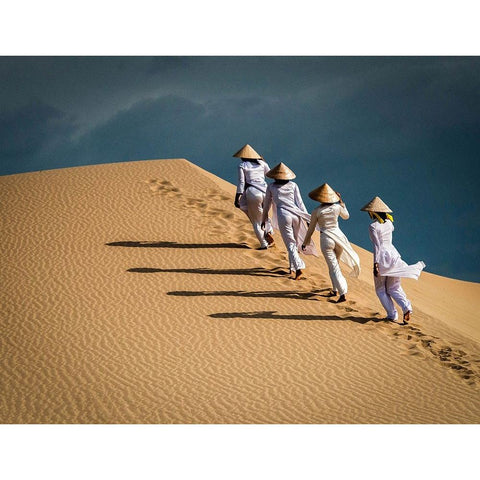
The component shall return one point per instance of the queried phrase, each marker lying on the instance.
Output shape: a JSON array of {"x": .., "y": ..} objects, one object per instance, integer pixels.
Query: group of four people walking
[{"x": 290, "y": 216}]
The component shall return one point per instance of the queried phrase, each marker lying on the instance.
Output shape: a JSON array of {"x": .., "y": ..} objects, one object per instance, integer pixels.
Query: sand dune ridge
[{"x": 133, "y": 293}]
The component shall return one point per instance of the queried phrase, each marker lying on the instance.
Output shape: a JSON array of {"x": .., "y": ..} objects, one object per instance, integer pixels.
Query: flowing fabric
[
  {"x": 390, "y": 263},
  {"x": 300, "y": 231},
  {"x": 326, "y": 220},
  {"x": 288, "y": 204},
  {"x": 402, "y": 269},
  {"x": 349, "y": 256}
]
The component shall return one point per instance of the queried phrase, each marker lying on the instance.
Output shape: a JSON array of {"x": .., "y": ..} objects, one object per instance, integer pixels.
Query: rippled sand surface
[{"x": 133, "y": 293}]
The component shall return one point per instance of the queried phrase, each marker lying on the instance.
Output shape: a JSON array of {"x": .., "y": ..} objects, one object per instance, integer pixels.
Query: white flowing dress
[
  {"x": 391, "y": 269},
  {"x": 252, "y": 186},
  {"x": 289, "y": 217},
  {"x": 335, "y": 245}
]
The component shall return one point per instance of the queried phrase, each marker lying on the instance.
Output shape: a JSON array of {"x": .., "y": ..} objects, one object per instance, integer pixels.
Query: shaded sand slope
[{"x": 132, "y": 293}]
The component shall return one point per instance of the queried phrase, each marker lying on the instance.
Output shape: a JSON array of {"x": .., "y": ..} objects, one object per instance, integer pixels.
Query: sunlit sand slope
[{"x": 133, "y": 293}]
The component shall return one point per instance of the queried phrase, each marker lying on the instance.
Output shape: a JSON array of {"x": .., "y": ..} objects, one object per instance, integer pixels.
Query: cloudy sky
[{"x": 404, "y": 128}]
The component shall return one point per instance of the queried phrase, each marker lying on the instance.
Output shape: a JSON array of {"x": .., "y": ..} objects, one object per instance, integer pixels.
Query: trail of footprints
[
  {"x": 166, "y": 188},
  {"x": 418, "y": 344},
  {"x": 163, "y": 187},
  {"x": 212, "y": 213},
  {"x": 237, "y": 233},
  {"x": 415, "y": 341}
]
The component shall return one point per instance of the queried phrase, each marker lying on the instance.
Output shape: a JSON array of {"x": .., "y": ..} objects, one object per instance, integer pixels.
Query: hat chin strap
[{"x": 375, "y": 215}]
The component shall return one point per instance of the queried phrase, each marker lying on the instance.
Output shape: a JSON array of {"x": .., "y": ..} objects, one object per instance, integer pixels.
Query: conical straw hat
[
  {"x": 324, "y": 194},
  {"x": 376, "y": 205},
  {"x": 281, "y": 172},
  {"x": 247, "y": 152}
]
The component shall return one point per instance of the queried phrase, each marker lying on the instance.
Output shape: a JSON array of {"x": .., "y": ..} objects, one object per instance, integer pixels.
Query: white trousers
[
  {"x": 288, "y": 224},
  {"x": 389, "y": 289},
  {"x": 254, "y": 200},
  {"x": 332, "y": 252}
]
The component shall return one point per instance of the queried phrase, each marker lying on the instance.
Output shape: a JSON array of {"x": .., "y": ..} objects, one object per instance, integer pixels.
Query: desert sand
[{"x": 133, "y": 293}]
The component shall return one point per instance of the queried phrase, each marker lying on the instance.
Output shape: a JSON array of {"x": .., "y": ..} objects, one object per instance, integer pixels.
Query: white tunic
[
  {"x": 252, "y": 174},
  {"x": 327, "y": 216},
  {"x": 387, "y": 256},
  {"x": 327, "y": 221},
  {"x": 288, "y": 201},
  {"x": 252, "y": 186}
]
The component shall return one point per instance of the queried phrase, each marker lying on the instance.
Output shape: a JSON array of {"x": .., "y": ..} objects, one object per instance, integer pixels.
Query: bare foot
[
  {"x": 269, "y": 238},
  {"x": 341, "y": 299},
  {"x": 406, "y": 317},
  {"x": 298, "y": 274}
]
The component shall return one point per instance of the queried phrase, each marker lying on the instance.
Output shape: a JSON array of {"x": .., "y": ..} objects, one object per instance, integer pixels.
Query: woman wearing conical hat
[
  {"x": 251, "y": 190},
  {"x": 334, "y": 244},
  {"x": 290, "y": 215},
  {"x": 388, "y": 266}
]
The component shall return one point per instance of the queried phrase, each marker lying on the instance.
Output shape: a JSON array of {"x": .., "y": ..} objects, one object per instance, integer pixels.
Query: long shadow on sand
[
  {"x": 146, "y": 244},
  {"x": 272, "y": 315},
  {"x": 232, "y": 293},
  {"x": 258, "y": 272}
]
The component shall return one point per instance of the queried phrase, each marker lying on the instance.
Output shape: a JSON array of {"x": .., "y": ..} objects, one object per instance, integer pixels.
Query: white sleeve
[
  {"x": 241, "y": 180},
  {"x": 298, "y": 200},
  {"x": 311, "y": 228},
  {"x": 344, "y": 212},
  {"x": 266, "y": 168},
  {"x": 372, "y": 231},
  {"x": 267, "y": 202}
]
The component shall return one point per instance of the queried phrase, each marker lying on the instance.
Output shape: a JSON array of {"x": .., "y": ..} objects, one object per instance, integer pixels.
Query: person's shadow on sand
[
  {"x": 295, "y": 295},
  {"x": 272, "y": 315},
  {"x": 146, "y": 244},
  {"x": 259, "y": 272}
]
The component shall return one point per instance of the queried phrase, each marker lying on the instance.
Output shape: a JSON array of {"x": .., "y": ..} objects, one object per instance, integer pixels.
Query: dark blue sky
[{"x": 404, "y": 128}]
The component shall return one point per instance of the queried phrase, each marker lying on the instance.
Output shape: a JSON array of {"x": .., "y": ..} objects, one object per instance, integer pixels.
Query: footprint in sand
[
  {"x": 163, "y": 187},
  {"x": 214, "y": 195},
  {"x": 419, "y": 344},
  {"x": 218, "y": 213}
]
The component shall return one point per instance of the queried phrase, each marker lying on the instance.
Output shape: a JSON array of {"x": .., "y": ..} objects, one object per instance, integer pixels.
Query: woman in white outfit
[
  {"x": 334, "y": 244},
  {"x": 388, "y": 267},
  {"x": 290, "y": 214},
  {"x": 251, "y": 190}
]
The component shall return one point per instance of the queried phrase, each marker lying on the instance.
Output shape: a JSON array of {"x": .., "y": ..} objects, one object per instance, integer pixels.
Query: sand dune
[{"x": 133, "y": 293}]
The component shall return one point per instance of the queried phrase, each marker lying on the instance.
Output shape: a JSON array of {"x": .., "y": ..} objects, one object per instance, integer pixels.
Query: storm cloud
[{"x": 404, "y": 128}]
